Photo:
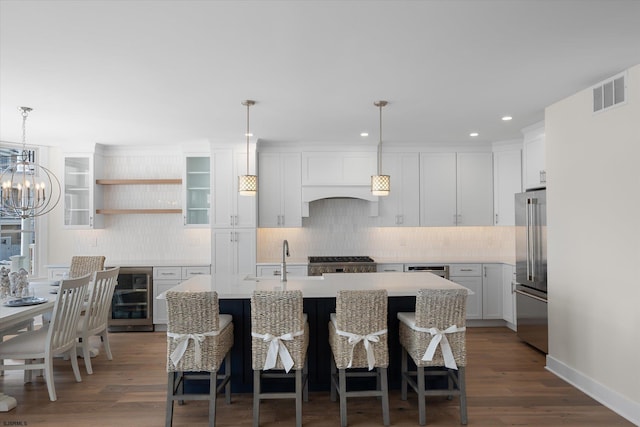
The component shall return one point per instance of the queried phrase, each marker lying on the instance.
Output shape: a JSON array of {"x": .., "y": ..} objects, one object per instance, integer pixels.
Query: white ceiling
[{"x": 168, "y": 72}]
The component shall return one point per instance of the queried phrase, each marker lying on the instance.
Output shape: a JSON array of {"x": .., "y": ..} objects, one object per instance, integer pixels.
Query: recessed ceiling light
[
  {"x": 507, "y": 118},
  {"x": 248, "y": 134},
  {"x": 364, "y": 133},
  {"x": 474, "y": 134}
]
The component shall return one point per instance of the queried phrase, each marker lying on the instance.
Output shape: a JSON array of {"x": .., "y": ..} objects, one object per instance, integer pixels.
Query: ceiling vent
[{"x": 610, "y": 93}]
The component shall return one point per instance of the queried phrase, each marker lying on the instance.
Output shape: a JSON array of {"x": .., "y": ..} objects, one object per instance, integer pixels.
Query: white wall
[
  {"x": 343, "y": 227},
  {"x": 594, "y": 246}
]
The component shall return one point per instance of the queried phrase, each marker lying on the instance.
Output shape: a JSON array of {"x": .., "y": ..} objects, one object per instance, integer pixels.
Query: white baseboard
[{"x": 613, "y": 400}]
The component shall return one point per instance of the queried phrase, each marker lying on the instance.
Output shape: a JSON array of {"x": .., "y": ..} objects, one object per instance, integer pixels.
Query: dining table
[{"x": 11, "y": 316}]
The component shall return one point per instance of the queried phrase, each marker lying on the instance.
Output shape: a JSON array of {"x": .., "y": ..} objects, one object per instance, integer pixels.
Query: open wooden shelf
[
  {"x": 137, "y": 211},
  {"x": 138, "y": 181}
]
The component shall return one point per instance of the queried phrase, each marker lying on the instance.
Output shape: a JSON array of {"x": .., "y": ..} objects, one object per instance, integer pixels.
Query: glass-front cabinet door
[
  {"x": 80, "y": 192},
  {"x": 197, "y": 191}
]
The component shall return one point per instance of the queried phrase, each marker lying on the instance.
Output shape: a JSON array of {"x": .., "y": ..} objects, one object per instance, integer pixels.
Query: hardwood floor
[{"x": 506, "y": 385}]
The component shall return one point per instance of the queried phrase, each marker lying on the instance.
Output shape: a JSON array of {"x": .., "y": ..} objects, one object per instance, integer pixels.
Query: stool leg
[
  {"x": 463, "y": 395},
  {"x": 422, "y": 404},
  {"x": 385, "y": 395},
  {"x": 332, "y": 382},
  {"x": 212, "y": 398},
  {"x": 299, "y": 393},
  {"x": 227, "y": 374},
  {"x": 403, "y": 375},
  {"x": 305, "y": 378},
  {"x": 342, "y": 383},
  {"x": 170, "y": 392},
  {"x": 256, "y": 398}
]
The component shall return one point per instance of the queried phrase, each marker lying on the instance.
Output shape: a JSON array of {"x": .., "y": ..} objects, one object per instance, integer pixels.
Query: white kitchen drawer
[
  {"x": 274, "y": 270},
  {"x": 167, "y": 273},
  {"x": 195, "y": 271},
  {"x": 465, "y": 270},
  {"x": 381, "y": 268}
]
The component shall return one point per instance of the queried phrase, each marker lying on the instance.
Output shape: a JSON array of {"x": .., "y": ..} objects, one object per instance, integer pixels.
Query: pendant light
[
  {"x": 28, "y": 189},
  {"x": 380, "y": 184},
  {"x": 248, "y": 184}
]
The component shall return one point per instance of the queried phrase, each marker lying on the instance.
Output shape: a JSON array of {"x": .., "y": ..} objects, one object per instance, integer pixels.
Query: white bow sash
[
  {"x": 367, "y": 339},
  {"x": 440, "y": 338},
  {"x": 277, "y": 348},
  {"x": 183, "y": 342}
]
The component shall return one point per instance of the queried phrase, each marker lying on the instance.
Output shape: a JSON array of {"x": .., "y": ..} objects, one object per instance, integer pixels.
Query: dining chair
[
  {"x": 56, "y": 338},
  {"x": 94, "y": 321},
  {"x": 358, "y": 340},
  {"x": 434, "y": 337},
  {"x": 279, "y": 342},
  {"x": 24, "y": 326},
  {"x": 85, "y": 264},
  {"x": 199, "y": 339}
]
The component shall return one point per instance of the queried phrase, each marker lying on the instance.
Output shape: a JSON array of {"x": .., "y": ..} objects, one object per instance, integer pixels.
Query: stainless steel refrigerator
[{"x": 531, "y": 268}]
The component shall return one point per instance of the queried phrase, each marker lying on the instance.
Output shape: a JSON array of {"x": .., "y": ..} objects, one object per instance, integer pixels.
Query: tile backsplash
[{"x": 343, "y": 227}]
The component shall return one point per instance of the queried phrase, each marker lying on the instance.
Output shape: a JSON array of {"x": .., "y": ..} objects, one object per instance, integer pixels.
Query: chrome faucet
[{"x": 283, "y": 265}]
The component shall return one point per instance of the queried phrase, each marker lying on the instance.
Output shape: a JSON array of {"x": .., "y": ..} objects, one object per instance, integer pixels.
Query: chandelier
[
  {"x": 380, "y": 184},
  {"x": 248, "y": 184},
  {"x": 28, "y": 189}
]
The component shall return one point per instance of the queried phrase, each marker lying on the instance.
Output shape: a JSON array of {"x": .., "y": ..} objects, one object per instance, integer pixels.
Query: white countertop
[{"x": 326, "y": 286}]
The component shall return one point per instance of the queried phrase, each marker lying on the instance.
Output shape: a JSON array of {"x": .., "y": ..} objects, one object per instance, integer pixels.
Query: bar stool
[
  {"x": 199, "y": 339},
  {"x": 279, "y": 341},
  {"x": 358, "y": 339},
  {"x": 434, "y": 337}
]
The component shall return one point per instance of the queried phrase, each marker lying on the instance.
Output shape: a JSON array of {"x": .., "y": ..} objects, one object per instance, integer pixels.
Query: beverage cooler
[{"x": 132, "y": 303}]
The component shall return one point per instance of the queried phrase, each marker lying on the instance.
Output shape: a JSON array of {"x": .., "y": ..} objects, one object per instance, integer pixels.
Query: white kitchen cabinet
[
  {"x": 492, "y": 291},
  {"x": 507, "y": 181},
  {"x": 230, "y": 209},
  {"x": 197, "y": 191},
  {"x": 234, "y": 251},
  {"x": 438, "y": 189},
  {"x": 280, "y": 189},
  {"x": 469, "y": 276},
  {"x": 165, "y": 278},
  {"x": 456, "y": 189},
  {"x": 389, "y": 267},
  {"x": 402, "y": 206},
  {"x": 509, "y": 295},
  {"x": 338, "y": 167},
  {"x": 275, "y": 270},
  {"x": 81, "y": 195},
  {"x": 474, "y": 175},
  {"x": 535, "y": 175}
]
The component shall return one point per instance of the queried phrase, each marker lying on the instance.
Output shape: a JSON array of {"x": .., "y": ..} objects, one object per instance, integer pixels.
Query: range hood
[{"x": 311, "y": 193}]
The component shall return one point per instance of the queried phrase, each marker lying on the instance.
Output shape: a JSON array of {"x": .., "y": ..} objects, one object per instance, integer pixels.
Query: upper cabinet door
[
  {"x": 197, "y": 190},
  {"x": 507, "y": 181},
  {"x": 535, "y": 175},
  {"x": 230, "y": 209},
  {"x": 81, "y": 194},
  {"x": 280, "y": 191},
  {"x": 474, "y": 189},
  {"x": 438, "y": 189},
  {"x": 401, "y": 208}
]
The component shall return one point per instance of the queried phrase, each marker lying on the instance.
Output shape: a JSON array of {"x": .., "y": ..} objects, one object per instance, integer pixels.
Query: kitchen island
[{"x": 234, "y": 293}]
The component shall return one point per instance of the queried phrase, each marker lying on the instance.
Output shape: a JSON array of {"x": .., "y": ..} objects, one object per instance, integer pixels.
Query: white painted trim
[{"x": 613, "y": 400}]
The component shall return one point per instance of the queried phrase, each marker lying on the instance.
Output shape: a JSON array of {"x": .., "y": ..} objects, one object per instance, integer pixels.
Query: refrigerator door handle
[
  {"x": 526, "y": 294},
  {"x": 531, "y": 238}
]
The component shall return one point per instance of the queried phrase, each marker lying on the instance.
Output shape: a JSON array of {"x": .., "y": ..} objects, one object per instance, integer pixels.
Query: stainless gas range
[{"x": 340, "y": 264}]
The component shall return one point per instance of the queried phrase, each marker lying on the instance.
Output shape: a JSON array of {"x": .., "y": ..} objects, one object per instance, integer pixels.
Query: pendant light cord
[
  {"x": 380, "y": 104},
  {"x": 247, "y": 135}
]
